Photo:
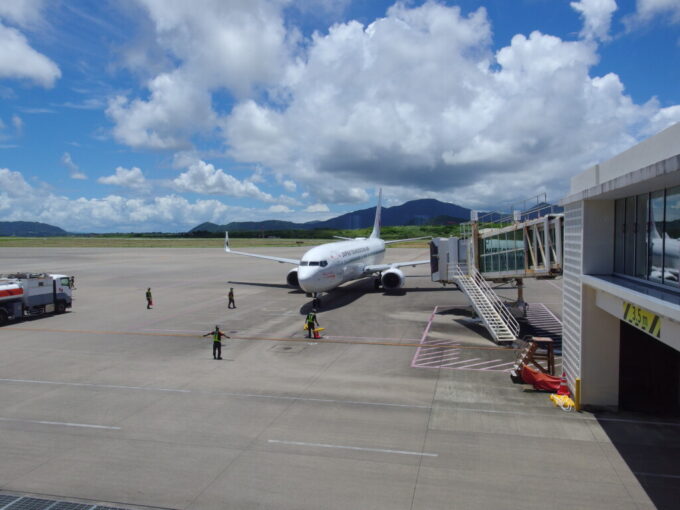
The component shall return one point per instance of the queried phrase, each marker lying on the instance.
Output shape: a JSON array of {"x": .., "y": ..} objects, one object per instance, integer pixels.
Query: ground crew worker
[
  {"x": 311, "y": 320},
  {"x": 231, "y": 298},
  {"x": 149, "y": 299},
  {"x": 72, "y": 282},
  {"x": 217, "y": 342}
]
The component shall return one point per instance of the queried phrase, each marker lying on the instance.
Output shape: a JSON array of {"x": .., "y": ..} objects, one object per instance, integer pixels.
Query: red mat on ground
[{"x": 539, "y": 380}]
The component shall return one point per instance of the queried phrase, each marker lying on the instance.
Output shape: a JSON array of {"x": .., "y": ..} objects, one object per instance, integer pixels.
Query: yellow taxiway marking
[{"x": 258, "y": 338}]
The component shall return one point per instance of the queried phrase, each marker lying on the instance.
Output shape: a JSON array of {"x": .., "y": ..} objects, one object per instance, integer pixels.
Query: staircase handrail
[
  {"x": 466, "y": 283},
  {"x": 495, "y": 301}
]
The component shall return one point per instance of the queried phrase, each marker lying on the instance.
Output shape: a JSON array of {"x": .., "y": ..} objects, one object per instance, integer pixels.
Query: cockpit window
[
  {"x": 303, "y": 262},
  {"x": 323, "y": 263},
  {"x": 313, "y": 263}
]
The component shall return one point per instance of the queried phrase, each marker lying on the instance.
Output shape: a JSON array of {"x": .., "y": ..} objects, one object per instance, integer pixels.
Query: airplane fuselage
[{"x": 324, "y": 267}]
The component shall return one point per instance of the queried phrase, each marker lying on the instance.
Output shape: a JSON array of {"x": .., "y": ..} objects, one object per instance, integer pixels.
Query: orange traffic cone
[{"x": 564, "y": 387}]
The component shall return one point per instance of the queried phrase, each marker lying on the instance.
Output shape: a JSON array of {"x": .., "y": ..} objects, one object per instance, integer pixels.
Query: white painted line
[
  {"x": 660, "y": 475},
  {"x": 61, "y": 423},
  {"x": 357, "y": 448},
  {"x": 223, "y": 393},
  {"x": 501, "y": 365},
  {"x": 442, "y": 355},
  {"x": 12, "y": 502},
  {"x": 198, "y": 332},
  {"x": 563, "y": 416},
  {"x": 464, "y": 361},
  {"x": 436, "y": 360},
  {"x": 549, "y": 311},
  {"x": 558, "y": 287},
  {"x": 90, "y": 385},
  {"x": 481, "y": 363},
  {"x": 407, "y": 340}
]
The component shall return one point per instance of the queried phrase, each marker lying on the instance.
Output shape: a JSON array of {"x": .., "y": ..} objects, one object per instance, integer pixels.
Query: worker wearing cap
[
  {"x": 217, "y": 342},
  {"x": 232, "y": 303},
  {"x": 311, "y": 320}
]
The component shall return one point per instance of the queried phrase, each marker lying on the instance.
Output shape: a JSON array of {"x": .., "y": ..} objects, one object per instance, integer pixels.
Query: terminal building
[{"x": 621, "y": 265}]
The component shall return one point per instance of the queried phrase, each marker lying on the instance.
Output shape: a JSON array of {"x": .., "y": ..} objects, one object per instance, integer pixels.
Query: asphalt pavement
[{"x": 403, "y": 404}]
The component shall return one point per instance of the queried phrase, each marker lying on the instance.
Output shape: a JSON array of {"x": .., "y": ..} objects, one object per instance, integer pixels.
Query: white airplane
[
  {"x": 329, "y": 265},
  {"x": 665, "y": 252}
]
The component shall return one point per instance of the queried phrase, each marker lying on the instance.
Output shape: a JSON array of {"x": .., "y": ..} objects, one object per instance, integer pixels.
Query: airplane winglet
[{"x": 226, "y": 242}]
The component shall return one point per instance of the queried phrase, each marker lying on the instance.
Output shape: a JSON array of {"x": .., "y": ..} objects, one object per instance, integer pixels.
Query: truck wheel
[
  {"x": 60, "y": 307},
  {"x": 3, "y": 316}
]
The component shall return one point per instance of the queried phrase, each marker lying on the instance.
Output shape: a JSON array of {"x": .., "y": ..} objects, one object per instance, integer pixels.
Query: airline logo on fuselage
[{"x": 356, "y": 251}]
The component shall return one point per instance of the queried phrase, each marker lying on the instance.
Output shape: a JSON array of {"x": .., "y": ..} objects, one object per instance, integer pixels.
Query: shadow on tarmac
[
  {"x": 651, "y": 449},
  {"x": 272, "y": 285},
  {"x": 348, "y": 294}
]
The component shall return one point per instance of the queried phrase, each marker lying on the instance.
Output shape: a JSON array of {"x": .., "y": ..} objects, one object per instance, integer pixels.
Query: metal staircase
[{"x": 492, "y": 311}]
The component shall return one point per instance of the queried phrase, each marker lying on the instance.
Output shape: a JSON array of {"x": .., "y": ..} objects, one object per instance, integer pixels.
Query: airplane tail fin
[
  {"x": 226, "y": 242},
  {"x": 376, "y": 224}
]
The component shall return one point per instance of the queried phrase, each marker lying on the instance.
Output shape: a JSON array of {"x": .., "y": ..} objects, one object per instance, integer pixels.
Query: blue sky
[{"x": 146, "y": 115}]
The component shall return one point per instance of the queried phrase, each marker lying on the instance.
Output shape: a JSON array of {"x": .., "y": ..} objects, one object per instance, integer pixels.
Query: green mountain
[
  {"x": 29, "y": 229},
  {"x": 426, "y": 211}
]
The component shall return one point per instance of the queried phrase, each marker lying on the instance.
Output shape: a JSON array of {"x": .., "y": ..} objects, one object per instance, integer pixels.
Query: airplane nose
[
  {"x": 308, "y": 280},
  {"x": 304, "y": 277}
]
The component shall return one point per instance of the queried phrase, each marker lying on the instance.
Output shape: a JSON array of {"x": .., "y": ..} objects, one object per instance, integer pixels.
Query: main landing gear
[{"x": 377, "y": 283}]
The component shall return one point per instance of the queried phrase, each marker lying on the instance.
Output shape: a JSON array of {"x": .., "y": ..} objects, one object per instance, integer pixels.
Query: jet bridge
[{"x": 497, "y": 248}]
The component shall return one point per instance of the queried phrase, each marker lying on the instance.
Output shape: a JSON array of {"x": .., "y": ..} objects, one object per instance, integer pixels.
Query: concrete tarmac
[{"x": 118, "y": 404}]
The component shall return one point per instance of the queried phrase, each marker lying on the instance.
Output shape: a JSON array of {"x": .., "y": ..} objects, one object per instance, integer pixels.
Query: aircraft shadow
[
  {"x": 271, "y": 285},
  {"x": 347, "y": 294}
]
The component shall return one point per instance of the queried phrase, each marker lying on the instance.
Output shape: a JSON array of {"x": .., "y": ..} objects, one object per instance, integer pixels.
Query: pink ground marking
[{"x": 431, "y": 353}]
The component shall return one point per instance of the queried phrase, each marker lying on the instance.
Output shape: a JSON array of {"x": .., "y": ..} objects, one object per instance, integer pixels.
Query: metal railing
[{"x": 495, "y": 301}]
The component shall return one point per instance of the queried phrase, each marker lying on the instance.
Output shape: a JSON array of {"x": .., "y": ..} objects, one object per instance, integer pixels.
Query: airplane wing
[
  {"x": 282, "y": 260},
  {"x": 404, "y": 240},
  {"x": 375, "y": 268},
  {"x": 344, "y": 238}
]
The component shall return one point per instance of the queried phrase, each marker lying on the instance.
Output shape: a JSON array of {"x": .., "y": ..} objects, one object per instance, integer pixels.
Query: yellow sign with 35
[{"x": 643, "y": 319}]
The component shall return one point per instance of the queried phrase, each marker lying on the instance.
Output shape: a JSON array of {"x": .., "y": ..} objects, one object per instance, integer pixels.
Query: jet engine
[
  {"x": 292, "y": 278},
  {"x": 392, "y": 279}
]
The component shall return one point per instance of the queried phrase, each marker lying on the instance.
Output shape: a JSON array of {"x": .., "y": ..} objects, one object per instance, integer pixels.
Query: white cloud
[
  {"x": 18, "y": 124},
  {"x": 289, "y": 186},
  {"x": 176, "y": 109},
  {"x": 315, "y": 208},
  {"x": 418, "y": 101},
  {"x": 74, "y": 170},
  {"x": 22, "y": 12},
  {"x": 13, "y": 182},
  {"x": 19, "y": 201},
  {"x": 132, "y": 178},
  {"x": 649, "y": 9},
  {"x": 279, "y": 209},
  {"x": 18, "y": 60},
  {"x": 232, "y": 45},
  {"x": 597, "y": 17},
  {"x": 258, "y": 176},
  {"x": 202, "y": 177}
]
